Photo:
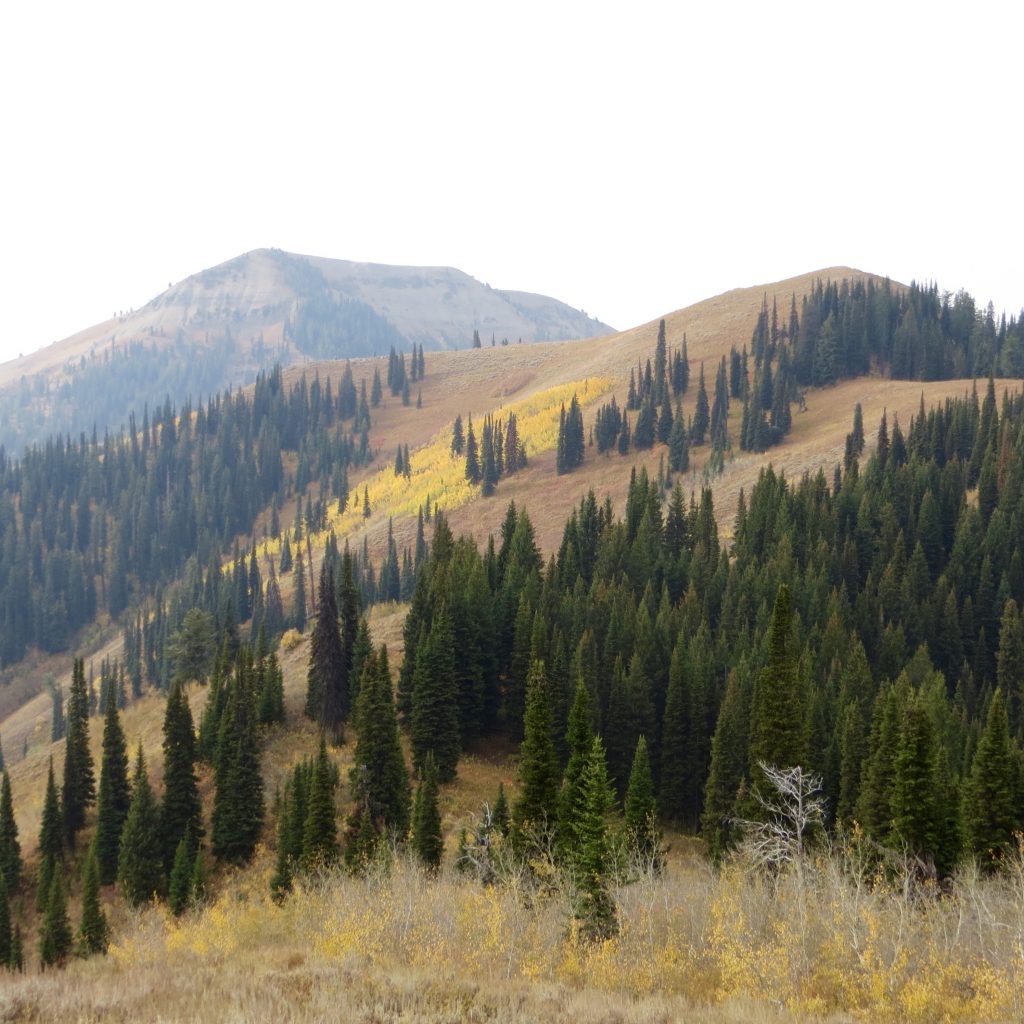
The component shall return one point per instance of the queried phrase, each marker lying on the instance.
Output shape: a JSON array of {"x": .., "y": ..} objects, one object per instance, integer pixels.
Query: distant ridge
[{"x": 223, "y": 325}]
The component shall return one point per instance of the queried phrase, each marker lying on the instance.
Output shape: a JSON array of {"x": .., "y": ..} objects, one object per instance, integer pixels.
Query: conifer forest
[{"x": 672, "y": 761}]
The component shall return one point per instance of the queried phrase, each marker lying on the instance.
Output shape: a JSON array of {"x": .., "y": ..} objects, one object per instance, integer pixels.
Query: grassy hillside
[{"x": 710, "y": 947}]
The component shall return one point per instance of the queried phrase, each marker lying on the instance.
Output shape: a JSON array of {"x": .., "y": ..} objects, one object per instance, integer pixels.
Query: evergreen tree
[
  {"x": 434, "y": 722},
  {"x": 380, "y": 781},
  {"x": 535, "y": 812},
  {"x": 55, "y": 937},
  {"x": 678, "y": 445},
  {"x": 320, "y": 831},
  {"x": 238, "y": 801},
  {"x": 991, "y": 815},
  {"x": 271, "y": 702},
  {"x": 140, "y": 861},
  {"x": 472, "y": 457},
  {"x": 10, "y": 848},
  {"x": 426, "y": 819},
  {"x": 701, "y": 414},
  {"x": 458, "y": 437},
  {"x": 778, "y": 716},
  {"x": 93, "y": 932},
  {"x": 179, "y": 885},
  {"x": 79, "y": 789},
  {"x": 6, "y": 934},
  {"x": 299, "y": 614},
  {"x": 51, "y": 839},
  {"x": 114, "y": 794},
  {"x": 181, "y": 809},
  {"x": 640, "y": 807},
  {"x": 728, "y": 768},
  {"x": 595, "y": 907},
  {"x": 327, "y": 680},
  {"x": 914, "y": 788},
  {"x": 579, "y": 737}
]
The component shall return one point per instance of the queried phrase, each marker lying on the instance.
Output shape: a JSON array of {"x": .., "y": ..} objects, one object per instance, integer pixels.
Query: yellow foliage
[
  {"x": 439, "y": 477},
  {"x": 812, "y": 947}
]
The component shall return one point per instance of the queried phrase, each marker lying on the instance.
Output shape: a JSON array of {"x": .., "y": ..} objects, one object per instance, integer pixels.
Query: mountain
[
  {"x": 222, "y": 326},
  {"x": 796, "y": 593}
]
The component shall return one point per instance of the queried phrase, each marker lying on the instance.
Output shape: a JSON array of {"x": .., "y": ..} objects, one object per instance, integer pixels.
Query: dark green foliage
[
  {"x": 571, "y": 446},
  {"x": 535, "y": 812},
  {"x": 728, "y": 768},
  {"x": 179, "y": 886},
  {"x": 434, "y": 723},
  {"x": 473, "y": 471},
  {"x": 916, "y": 810},
  {"x": 678, "y": 445},
  {"x": 181, "y": 809},
  {"x": 641, "y": 809},
  {"x": 380, "y": 781},
  {"x": 238, "y": 801},
  {"x": 51, "y": 839},
  {"x": 79, "y": 789},
  {"x": 579, "y": 737},
  {"x": 594, "y": 908},
  {"x": 140, "y": 861},
  {"x": 55, "y": 937},
  {"x": 271, "y": 696},
  {"x": 10, "y": 848},
  {"x": 778, "y": 717},
  {"x": 426, "y": 819},
  {"x": 93, "y": 931},
  {"x": 193, "y": 646},
  {"x": 320, "y": 830},
  {"x": 991, "y": 800},
  {"x": 6, "y": 933},
  {"x": 701, "y": 414},
  {"x": 327, "y": 694},
  {"x": 114, "y": 793}
]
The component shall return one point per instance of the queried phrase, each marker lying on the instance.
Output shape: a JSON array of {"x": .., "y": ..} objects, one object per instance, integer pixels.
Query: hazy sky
[{"x": 622, "y": 158}]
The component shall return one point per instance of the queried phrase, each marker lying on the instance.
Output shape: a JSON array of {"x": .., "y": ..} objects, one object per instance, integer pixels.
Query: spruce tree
[
  {"x": 79, "y": 789},
  {"x": 140, "y": 860},
  {"x": 472, "y": 457},
  {"x": 114, "y": 793},
  {"x": 10, "y": 848},
  {"x": 991, "y": 815},
  {"x": 915, "y": 808},
  {"x": 55, "y": 937},
  {"x": 579, "y": 738},
  {"x": 641, "y": 809},
  {"x": 701, "y": 414},
  {"x": 535, "y": 812},
  {"x": 327, "y": 679},
  {"x": 380, "y": 781},
  {"x": 728, "y": 768},
  {"x": 237, "y": 819},
  {"x": 271, "y": 700},
  {"x": 6, "y": 934},
  {"x": 181, "y": 810},
  {"x": 434, "y": 724},
  {"x": 299, "y": 613},
  {"x": 594, "y": 909},
  {"x": 51, "y": 839},
  {"x": 179, "y": 885},
  {"x": 778, "y": 716},
  {"x": 93, "y": 932},
  {"x": 320, "y": 830},
  {"x": 426, "y": 824}
]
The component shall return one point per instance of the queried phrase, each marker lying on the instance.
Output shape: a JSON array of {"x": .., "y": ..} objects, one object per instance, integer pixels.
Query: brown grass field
[{"x": 695, "y": 946}]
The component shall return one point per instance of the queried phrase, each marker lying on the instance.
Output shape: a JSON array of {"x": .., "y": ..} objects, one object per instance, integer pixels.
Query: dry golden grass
[{"x": 694, "y": 945}]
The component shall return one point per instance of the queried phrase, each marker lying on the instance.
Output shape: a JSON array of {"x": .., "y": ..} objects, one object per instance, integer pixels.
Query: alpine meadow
[{"x": 370, "y": 655}]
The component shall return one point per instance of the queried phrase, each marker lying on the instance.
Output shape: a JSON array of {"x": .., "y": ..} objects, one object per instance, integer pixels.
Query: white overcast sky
[{"x": 627, "y": 158}]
